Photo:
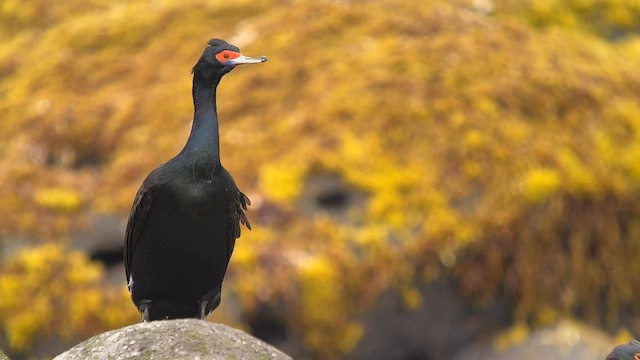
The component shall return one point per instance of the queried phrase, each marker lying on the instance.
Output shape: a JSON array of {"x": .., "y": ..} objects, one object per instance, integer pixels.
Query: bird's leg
[
  {"x": 203, "y": 309},
  {"x": 145, "y": 315},
  {"x": 208, "y": 302}
]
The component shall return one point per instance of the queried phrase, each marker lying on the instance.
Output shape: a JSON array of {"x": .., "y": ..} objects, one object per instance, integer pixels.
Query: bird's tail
[{"x": 166, "y": 310}]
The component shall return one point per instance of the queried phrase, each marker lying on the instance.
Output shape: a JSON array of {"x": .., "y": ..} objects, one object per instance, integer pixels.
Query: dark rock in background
[
  {"x": 440, "y": 327},
  {"x": 103, "y": 241},
  {"x": 328, "y": 194}
]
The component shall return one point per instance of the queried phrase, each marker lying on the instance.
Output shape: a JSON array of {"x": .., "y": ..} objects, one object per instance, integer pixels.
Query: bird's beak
[{"x": 245, "y": 60}]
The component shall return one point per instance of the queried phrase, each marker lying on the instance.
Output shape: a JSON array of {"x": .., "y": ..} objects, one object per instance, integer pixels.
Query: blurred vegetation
[
  {"x": 51, "y": 291},
  {"x": 611, "y": 19},
  {"x": 497, "y": 142}
]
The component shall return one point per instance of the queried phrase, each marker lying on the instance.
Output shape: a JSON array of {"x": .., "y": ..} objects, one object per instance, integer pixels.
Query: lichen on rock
[{"x": 174, "y": 339}]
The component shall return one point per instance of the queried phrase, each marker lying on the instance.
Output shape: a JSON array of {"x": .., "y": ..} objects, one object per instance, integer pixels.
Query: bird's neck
[{"x": 204, "y": 140}]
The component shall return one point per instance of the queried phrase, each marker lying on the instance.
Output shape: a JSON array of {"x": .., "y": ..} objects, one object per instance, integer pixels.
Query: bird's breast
[{"x": 201, "y": 193}]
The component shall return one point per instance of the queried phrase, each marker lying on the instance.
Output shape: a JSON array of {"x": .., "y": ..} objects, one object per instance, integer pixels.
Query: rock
[
  {"x": 437, "y": 329},
  {"x": 173, "y": 339},
  {"x": 328, "y": 194},
  {"x": 566, "y": 340}
]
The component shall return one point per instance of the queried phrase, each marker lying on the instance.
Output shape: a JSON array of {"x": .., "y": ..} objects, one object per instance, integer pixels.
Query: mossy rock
[{"x": 173, "y": 339}]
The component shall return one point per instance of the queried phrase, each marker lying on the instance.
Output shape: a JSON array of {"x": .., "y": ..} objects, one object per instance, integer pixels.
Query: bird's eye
[{"x": 226, "y": 55}]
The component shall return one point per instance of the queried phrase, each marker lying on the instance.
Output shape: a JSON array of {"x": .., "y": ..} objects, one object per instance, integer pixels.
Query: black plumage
[{"x": 187, "y": 213}]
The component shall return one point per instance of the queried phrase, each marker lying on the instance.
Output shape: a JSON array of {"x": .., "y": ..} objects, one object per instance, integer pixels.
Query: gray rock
[
  {"x": 439, "y": 328},
  {"x": 173, "y": 339},
  {"x": 566, "y": 340}
]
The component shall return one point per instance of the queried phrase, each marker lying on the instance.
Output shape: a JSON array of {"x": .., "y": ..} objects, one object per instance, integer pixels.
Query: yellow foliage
[
  {"x": 412, "y": 298},
  {"x": 244, "y": 254},
  {"x": 318, "y": 278},
  {"x": 515, "y": 335},
  {"x": 350, "y": 337},
  {"x": 23, "y": 328},
  {"x": 46, "y": 290},
  {"x": 282, "y": 182},
  {"x": 540, "y": 184},
  {"x": 57, "y": 199},
  {"x": 580, "y": 179},
  {"x": 546, "y": 317},
  {"x": 372, "y": 236},
  {"x": 322, "y": 298},
  {"x": 609, "y": 18},
  {"x": 623, "y": 336}
]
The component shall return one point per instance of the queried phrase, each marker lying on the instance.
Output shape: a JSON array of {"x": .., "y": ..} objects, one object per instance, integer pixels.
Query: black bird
[
  {"x": 187, "y": 213},
  {"x": 630, "y": 351}
]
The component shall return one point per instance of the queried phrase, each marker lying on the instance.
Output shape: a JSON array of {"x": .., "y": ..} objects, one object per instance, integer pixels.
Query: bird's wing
[
  {"x": 237, "y": 207},
  {"x": 139, "y": 211}
]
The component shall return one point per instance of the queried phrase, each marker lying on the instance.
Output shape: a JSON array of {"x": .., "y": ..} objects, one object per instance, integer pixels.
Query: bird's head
[
  {"x": 220, "y": 57},
  {"x": 630, "y": 351}
]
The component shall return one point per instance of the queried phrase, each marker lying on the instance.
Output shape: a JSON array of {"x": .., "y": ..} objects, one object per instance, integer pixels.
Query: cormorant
[
  {"x": 630, "y": 351},
  {"x": 187, "y": 213}
]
